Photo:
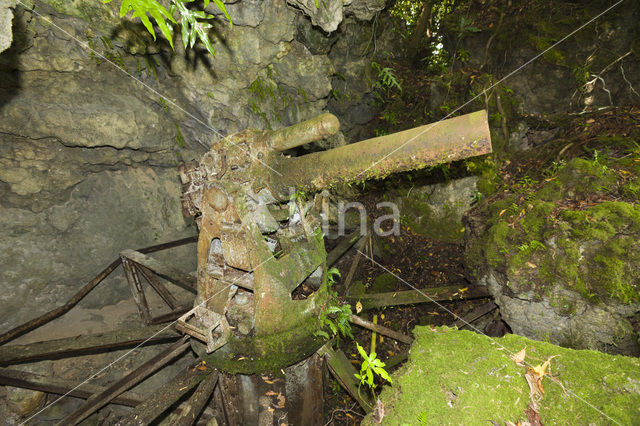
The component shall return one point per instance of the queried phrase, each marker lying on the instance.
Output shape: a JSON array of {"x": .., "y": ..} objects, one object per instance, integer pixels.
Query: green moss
[
  {"x": 591, "y": 250},
  {"x": 486, "y": 170},
  {"x": 632, "y": 189},
  {"x": 459, "y": 377},
  {"x": 583, "y": 177},
  {"x": 384, "y": 283},
  {"x": 498, "y": 243},
  {"x": 537, "y": 217},
  {"x": 424, "y": 220}
]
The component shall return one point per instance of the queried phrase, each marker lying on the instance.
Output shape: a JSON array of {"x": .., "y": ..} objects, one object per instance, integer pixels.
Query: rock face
[
  {"x": 595, "y": 67},
  {"x": 328, "y": 14},
  {"x": 88, "y": 150},
  {"x": 6, "y": 16},
  {"x": 561, "y": 272},
  {"x": 436, "y": 210}
]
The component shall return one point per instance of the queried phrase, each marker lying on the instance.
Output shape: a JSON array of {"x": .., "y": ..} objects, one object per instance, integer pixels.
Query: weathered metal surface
[
  {"x": 55, "y": 385},
  {"x": 176, "y": 276},
  {"x": 344, "y": 372},
  {"x": 441, "y": 142},
  {"x": 167, "y": 395},
  {"x": 197, "y": 401},
  {"x": 136, "y": 290},
  {"x": 256, "y": 234},
  {"x": 381, "y": 329},
  {"x": 308, "y": 131},
  {"x": 88, "y": 344},
  {"x": 410, "y": 297},
  {"x": 101, "y": 399}
]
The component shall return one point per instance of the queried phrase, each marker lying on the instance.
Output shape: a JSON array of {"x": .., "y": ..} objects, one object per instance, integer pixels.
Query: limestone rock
[
  {"x": 563, "y": 274},
  {"x": 437, "y": 210},
  {"x": 327, "y": 16},
  {"x": 6, "y": 16},
  {"x": 364, "y": 10}
]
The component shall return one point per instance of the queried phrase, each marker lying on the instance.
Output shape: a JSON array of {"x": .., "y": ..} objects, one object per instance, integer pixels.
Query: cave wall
[
  {"x": 595, "y": 64},
  {"x": 88, "y": 152}
]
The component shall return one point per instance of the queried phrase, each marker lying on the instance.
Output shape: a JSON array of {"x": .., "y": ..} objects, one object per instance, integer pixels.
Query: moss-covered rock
[
  {"x": 561, "y": 257},
  {"x": 460, "y": 377},
  {"x": 436, "y": 210}
]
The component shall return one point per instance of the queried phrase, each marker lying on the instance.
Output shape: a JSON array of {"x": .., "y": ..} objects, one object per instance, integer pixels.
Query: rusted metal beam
[
  {"x": 165, "y": 396},
  {"x": 334, "y": 255},
  {"x": 478, "y": 312},
  {"x": 197, "y": 401},
  {"x": 410, "y": 297},
  {"x": 176, "y": 276},
  {"x": 89, "y": 344},
  {"x": 55, "y": 313},
  {"x": 354, "y": 264},
  {"x": 381, "y": 329},
  {"x": 436, "y": 143},
  {"x": 154, "y": 282},
  {"x": 55, "y": 385},
  {"x": 101, "y": 399},
  {"x": 344, "y": 371},
  {"x": 171, "y": 316},
  {"x": 59, "y": 311},
  {"x": 136, "y": 290},
  {"x": 169, "y": 245}
]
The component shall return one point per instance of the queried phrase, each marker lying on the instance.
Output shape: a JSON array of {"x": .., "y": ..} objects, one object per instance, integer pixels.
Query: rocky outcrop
[
  {"x": 6, "y": 16},
  {"x": 95, "y": 116},
  {"x": 563, "y": 269},
  {"x": 594, "y": 67},
  {"x": 328, "y": 14}
]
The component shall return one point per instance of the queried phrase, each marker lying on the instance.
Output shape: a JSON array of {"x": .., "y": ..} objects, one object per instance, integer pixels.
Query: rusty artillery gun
[{"x": 258, "y": 241}]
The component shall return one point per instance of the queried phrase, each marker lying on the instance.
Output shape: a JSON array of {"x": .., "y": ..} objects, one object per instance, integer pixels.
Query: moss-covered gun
[{"x": 259, "y": 242}]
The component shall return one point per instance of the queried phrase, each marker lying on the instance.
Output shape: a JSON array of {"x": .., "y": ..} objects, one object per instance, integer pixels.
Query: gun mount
[{"x": 258, "y": 242}]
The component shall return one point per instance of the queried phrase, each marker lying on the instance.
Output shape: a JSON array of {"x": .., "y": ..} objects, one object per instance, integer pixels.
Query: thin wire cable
[
  {"x": 151, "y": 89},
  {"x": 475, "y": 329},
  {"x": 93, "y": 375},
  {"x": 492, "y": 86}
]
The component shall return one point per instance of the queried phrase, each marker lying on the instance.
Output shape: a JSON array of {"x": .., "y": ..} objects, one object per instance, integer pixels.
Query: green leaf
[
  {"x": 362, "y": 352},
  {"x": 222, "y": 7},
  {"x": 369, "y": 377}
]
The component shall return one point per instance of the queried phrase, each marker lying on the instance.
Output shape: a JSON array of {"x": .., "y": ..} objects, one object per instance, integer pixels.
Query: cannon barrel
[
  {"x": 436, "y": 143},
  {"x": 308, "y": 131}
]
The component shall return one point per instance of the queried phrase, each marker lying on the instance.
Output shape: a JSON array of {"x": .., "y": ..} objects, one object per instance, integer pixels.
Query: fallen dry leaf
[
  {"x": 519, "y": 357},
  {"x": 281, "y": 401},
  {"x": 271, "y": 393},
  {"x": 358, "y": 307},
  {"x": 534, "y": 391},
  {"x": 531, "y": 265}
]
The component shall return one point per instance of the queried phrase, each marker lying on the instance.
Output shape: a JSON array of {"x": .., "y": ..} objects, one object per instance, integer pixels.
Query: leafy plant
[
  {"x": 464, "y": 26},
  {"x": 335, "y": 316},
  {"x": 531, "y": 246},
  {"x": 386, "y": 77},
  {"x": 193, "y": 23},
  {"x": 370, "y": 365},
  {"x": 476, "y": 197}
]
